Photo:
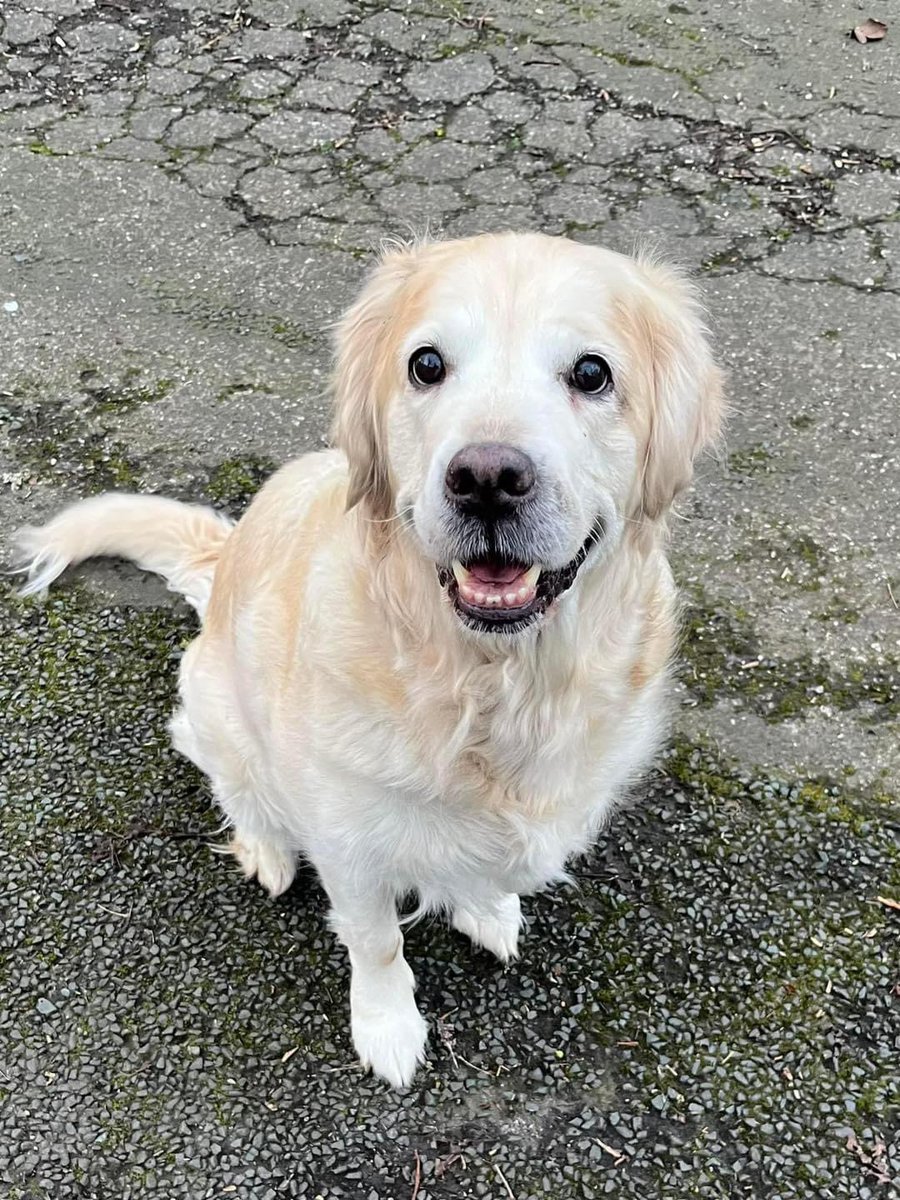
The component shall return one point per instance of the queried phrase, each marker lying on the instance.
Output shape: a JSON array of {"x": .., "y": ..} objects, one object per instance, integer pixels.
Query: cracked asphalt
[{"x": 189, "y": 194}]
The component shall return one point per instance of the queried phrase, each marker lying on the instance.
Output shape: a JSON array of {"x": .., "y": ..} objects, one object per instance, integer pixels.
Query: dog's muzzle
[{"x": 493, "y": 594}]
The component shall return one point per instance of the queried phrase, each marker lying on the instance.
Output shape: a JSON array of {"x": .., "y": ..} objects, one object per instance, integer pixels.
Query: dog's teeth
[{"x": 483, "y": 599}]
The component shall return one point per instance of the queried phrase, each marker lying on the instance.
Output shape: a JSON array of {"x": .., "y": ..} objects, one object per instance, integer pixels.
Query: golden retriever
[{"x": 434, "y": 658}]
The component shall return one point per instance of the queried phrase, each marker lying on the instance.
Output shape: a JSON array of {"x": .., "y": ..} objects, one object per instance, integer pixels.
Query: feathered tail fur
[{"x": 181, "y": 542}]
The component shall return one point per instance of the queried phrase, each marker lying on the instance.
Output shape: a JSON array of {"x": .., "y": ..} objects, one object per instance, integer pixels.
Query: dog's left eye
[
  {"x": 591, "y": 375},
  {"x": 426, "y": 367}
]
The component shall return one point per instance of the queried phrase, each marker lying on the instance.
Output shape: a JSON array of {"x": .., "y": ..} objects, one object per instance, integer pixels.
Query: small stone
[
  {"x": 274, "y": 43},
  {"x": 452, "y": 79},
  {"x": 299, "y": 131},
  {"x": 871, "y": 194},
  {"x": 102, "y": 39},
  {"x": 205, "y": 128},
  {"x": 77, "y": 134},
  {"x": 260, "y": 85},
  {"x": 24, "y": 27}
]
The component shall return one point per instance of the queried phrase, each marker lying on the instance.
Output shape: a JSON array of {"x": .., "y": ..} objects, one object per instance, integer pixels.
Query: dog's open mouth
[{"x": 494, "y": 594}]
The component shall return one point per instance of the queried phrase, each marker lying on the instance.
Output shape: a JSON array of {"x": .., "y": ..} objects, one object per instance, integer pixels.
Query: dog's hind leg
[{"x": 260, "y": 853}]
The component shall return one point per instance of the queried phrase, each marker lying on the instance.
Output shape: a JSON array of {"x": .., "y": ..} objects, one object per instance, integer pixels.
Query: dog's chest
[
  {"x": 503, "y": 810},
  {"x": 509, "y": 745},
  {"x": 517, "y": 765},
  {"x": 522, "y": 778},
  {"x": 517, "y": 786}
]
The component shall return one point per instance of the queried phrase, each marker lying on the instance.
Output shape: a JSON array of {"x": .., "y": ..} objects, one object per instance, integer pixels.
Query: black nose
[{"x": 489, "y": 480}]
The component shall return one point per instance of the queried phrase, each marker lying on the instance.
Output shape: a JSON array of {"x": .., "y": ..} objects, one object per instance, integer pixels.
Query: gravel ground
[{"x": 188, "y": 195}]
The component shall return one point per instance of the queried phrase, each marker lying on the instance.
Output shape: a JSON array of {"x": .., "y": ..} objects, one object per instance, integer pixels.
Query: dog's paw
[
  {"x": 495, "y": 928},
  {"x": 390, "y": 1041},
  {"x": 273, "y": 867}
]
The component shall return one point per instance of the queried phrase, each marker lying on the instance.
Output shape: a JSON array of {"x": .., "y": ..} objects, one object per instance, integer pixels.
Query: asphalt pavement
[{"x": 189, "y": 194}]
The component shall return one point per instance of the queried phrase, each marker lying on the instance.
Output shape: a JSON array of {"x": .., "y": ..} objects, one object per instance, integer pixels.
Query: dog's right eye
[
  {"x": 426, "y": 367},
  {"x": 591, "y": 375}
]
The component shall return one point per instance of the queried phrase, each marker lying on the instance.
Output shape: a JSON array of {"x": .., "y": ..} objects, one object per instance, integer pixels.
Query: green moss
[
  {"x": 242, "y": 389},
  {"x": 235, "y": 481},
  {"x": 807, "y": 550},
  {"x": 801, "y": 421},
  {"x": 691, "y": 78},
  {"x": 42, "y": 148},
  {"x": 792, "y": 560},
  {"x": 211, "y": 312},
  {"x": 87, "y": 462},
  {"x": 110, "y": 468},
  {"x": 720, "y": 259},
  {"x": 839, "y": 612},
  {"x": 825, "y": 798},
  {"x": 722, "y": 657},
  {"x": 767, "y": 953},
  {"x": 702, "y": 771},
  {"x": 693, "y": 766},
  {"x": 67, "y": 637},
  {"x": 66, "y": 436},
  {"x": 752, "y": 460},
  {"x": 130, "y": 392}
]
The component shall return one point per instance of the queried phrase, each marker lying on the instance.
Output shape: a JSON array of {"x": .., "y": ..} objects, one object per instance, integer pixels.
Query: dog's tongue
[{"x": 497, "y": 573}]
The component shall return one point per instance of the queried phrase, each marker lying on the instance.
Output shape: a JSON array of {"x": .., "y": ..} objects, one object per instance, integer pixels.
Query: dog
[{"x": 434, "y": 658}]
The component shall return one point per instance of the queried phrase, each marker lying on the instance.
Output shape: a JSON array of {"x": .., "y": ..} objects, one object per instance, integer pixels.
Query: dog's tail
[{"x": 181, "y": 542}]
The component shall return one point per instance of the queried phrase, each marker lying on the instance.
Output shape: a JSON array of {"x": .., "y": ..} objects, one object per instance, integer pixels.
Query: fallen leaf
[
  {"x": 888, "y": 902},
  {"x": 875, "y": 1163},
  {"x": 870, "y": 31}
]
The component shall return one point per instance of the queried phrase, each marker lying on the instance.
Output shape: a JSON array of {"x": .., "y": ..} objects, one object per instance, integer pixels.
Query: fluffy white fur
[{"x": 338, "y": 704}]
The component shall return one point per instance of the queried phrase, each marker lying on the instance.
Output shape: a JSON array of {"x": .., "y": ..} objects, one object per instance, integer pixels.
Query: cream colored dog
[{"x": 433, "y": 659}]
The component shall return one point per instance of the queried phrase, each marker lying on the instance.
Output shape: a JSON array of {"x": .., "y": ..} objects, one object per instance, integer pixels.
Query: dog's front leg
[{"x": 388, "y": 1030}]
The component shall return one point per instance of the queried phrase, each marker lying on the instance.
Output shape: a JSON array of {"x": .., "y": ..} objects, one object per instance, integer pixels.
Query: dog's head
[{"x": 512, "y": 401}]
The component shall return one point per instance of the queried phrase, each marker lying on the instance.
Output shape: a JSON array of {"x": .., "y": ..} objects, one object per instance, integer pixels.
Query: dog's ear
[
  {"x": 361, "y": 382},
  {"x": 681, "y": 409}
]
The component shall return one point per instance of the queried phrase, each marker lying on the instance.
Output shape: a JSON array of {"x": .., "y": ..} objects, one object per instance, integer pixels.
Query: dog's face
[{"x": 512, "y": 401}]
